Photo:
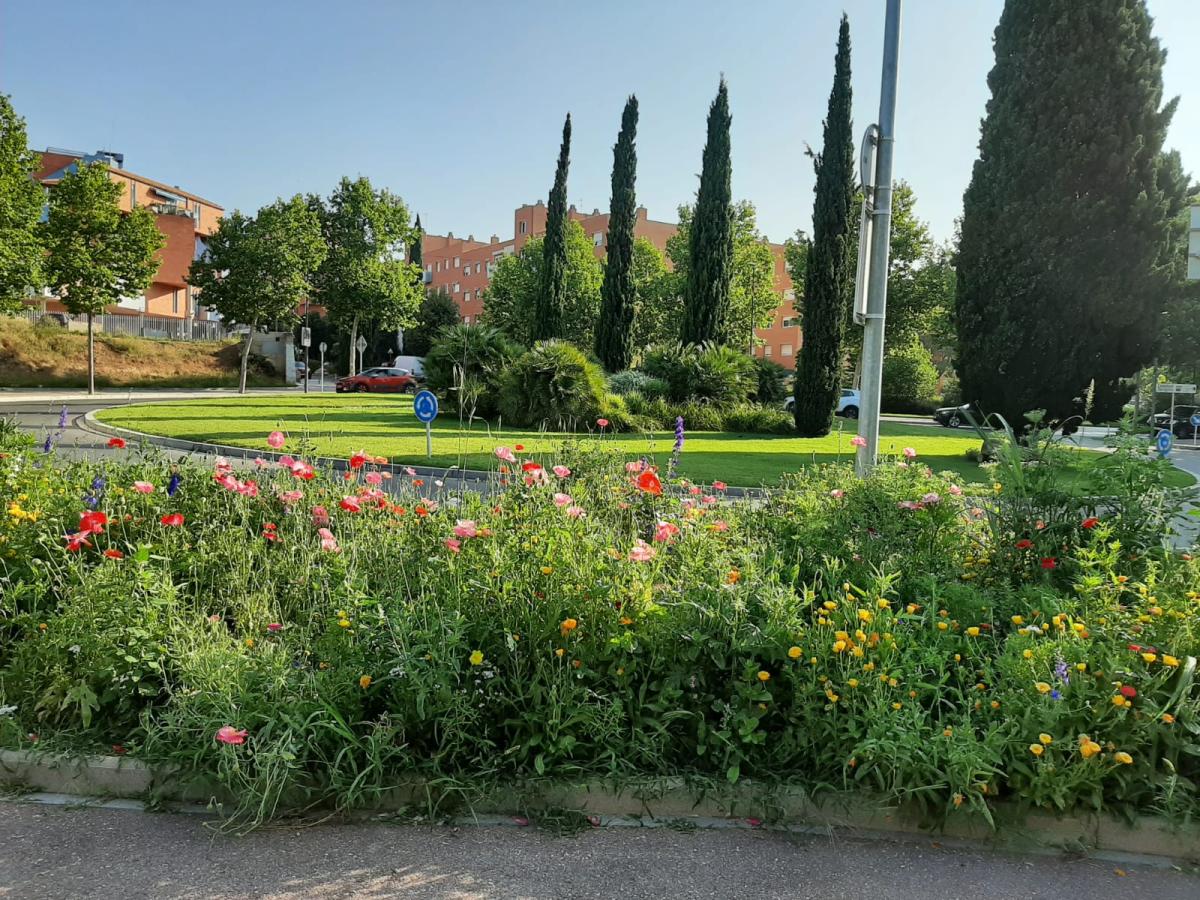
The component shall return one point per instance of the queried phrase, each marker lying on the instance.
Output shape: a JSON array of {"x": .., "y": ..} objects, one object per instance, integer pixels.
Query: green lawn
[{"x": 385, "y": 426}]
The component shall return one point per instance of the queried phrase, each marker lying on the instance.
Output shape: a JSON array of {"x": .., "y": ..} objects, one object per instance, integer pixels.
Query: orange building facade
[
  {"x": 184, "y": 219},
  {"x": 463, "y": 267}
]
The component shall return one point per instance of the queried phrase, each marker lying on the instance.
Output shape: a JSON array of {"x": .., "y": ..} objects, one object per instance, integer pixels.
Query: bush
[
  {"x": 464, "y": 366},
  {"x": 710, "y": 374},
  {"x": 630, "y": 381},
  {"x": 909, "y": 380},
  {"x": 772, "y": 381},
  {"x": 553, "y": 385},
  {"x": 752, "y": 419}
]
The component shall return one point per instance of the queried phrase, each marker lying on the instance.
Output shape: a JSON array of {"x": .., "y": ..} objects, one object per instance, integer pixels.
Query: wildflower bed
[{"x": 285, "y": 636}]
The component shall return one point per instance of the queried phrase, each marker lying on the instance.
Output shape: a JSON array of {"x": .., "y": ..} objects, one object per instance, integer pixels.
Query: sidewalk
[
  {"x": 127, "y": 395},
  {"x": 56, "y": 852}
]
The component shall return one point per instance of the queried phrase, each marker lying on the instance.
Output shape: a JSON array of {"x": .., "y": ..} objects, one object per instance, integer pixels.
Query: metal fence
[{"x": 139, "y": 325}]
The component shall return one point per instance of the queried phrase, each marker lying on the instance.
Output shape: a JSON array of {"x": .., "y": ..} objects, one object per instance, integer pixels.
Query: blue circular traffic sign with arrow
[
  {"x": 1195, "y": 420},
  {"x": 1164, "y": 441},
  {"x": 425, "y": 406}
]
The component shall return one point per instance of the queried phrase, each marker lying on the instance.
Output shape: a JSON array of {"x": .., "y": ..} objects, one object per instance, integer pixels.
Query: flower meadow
[{"x": 286, "y": 636}]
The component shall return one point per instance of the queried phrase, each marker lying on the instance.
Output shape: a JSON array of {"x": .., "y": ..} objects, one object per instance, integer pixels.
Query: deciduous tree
[{"x": 21, "y": 202}]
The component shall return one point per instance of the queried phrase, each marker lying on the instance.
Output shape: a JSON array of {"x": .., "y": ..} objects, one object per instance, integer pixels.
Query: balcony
[{"x": 170, "y": 209}]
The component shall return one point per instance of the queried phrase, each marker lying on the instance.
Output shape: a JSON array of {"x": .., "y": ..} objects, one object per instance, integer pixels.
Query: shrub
[
  {"x": 772, "y": 381},
  {"x": 712, "y": 373},
  {"x": 909, "y": 380},
  {"x": 464, "y": 367},
  {"x": 553, "y": 385},
  {"x": 752, "y": 419},
  {"x": 630, "y": 381}
]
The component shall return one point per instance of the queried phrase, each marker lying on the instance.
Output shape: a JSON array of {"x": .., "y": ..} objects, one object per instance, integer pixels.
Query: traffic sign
[
  {"x": 425, "y": 406},
  {"x": 1169, "y": 388},
  {"x": 361, "y": 344},
  {"x": 324, "y": 346},
  {"x": 1164, "y": 441},
  {"x": 305, "y": 337},
  {"x": 1195, "y": 420}
]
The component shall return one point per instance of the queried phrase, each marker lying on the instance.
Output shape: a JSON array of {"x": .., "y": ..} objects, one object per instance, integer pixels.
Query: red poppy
[
  {"x": 1089, "y": 523},
  {"x": 75, "y": 540},
  {"x": 417, "y": 482},
  {"x": 530, "y": 467},
  {"x": 421, "y": 511},
  {"x": 118, "y": 749},
  {"x": 1128, "y": 690},
  {"x": 1024, "y": 544},
  {"x": 1049, "y": 562},
  {"x": 114, "y": 554},
  {"x": 518, "y": 446},
  {"x": 350, "y": 504},
  {"x": 648, "y": 482},
  {"x": 358, "y": 460},
  {"x": 116, "y": 443},
  {"x": 172, "y": 520},
  {"x": 92, "y": 522}
]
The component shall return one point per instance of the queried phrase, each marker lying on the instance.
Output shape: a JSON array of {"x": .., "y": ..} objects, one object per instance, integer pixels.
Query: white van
[{"x": 414, "y": 364}]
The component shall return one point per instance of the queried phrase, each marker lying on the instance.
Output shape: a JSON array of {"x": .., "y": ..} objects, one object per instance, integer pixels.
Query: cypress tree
[
  {"x": 1063, "y": 262},
  {"x": 615, "y": 327},
  {"x": 829, "y": 272},
  {"x": 551, "y": 299},
  {"x": 414, "y": 247},
  {"x": 710, "y": 242}
]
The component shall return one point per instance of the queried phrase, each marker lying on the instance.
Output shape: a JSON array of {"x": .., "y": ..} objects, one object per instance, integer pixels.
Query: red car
[{"x": 380, "y": 380}]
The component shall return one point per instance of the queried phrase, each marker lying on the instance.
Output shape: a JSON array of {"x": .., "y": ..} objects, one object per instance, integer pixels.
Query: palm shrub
[
  {"x": 710, "y": 373},
  {"x": 772, "y": 381},
  {"x": 631, "y": 381},
  {"x": 464, "y": 367},
  {"x": 553, "y": 385}
]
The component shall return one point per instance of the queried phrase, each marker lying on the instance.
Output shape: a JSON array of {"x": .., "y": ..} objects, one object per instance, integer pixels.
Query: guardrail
[{"x": 138, "y": 325}]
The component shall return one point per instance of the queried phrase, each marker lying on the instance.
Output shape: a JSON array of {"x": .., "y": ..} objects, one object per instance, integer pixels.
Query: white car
[{"x": 847, "y": 406}]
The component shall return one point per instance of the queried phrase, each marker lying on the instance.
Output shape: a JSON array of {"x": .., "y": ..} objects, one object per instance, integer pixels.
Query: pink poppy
[
  {"x": 328, "y": 541},
  {"x": 227, "y": 734},
  {"x": 275, "y": 439},
  {"x": 562, "y": 471},
  {"x": 303, "y": 471},
  {"x": 320, "y": 515},
  {"x": 858, "y": 441},
  {"x": 453, "y": 545},
  {"x": 75, "y": 540},
  {"x": 837, "y": 493},
  {"x": 955, "y": 490},
  {"x": 694, "y": 490},
  {"x": 636, "y": 466},
  {"x": 909, "y": 504},
  {"x": 286, "y": 462},
  {"x": 575, "y": 512},
  {"x": 350, "y": 504},
  {"x": 931, "y": 499},
  {"x": 719, "y": 485},
  {"x": 561, "y": 500},
  {"x": 465, "y": 528},
  {"x": 603, "y": 423},
  {"x": 430, "y": 505},
  {"x": 248, "y": 488},
  {"x": 274, "y": 627},
  {"x": 172, "y": 520},
  {"x": 909, "y": 453},
  {"x": 373, "y": 478},
  {"x": 410, "y": 471},
  {"x": 708, "y": 499},
  {"x": 143, "y": 487},
  {"x": 505, "y": 454},
  {"x": 537, "y": 476},
  {"x": 720, "y": 525},
  {"x": 222, "y": 466},
  {"x": 665, "y": 531},
  {"x": 260, "y": 462},
  {"x": 290, "y": 497},
  {"x": 642, "y": 552},
  {"x": 225, "y": 480}
]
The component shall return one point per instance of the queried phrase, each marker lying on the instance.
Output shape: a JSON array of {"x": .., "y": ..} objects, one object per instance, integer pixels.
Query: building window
[
  {"x": 791, "y": 322},
  {"x": 175, "y": 301},
  {"x": 132, "y": 194},
  {"x": 789, "y": 294},
  {"x": 598, "y": 238},
  {"x": 467, "y": 297},
  {"x": 766, "y": 351},
  {"x": 523, "y": 228},
  {"x": 429, "y": 267},
  {"x": 439, "y": 266},
  {"x": 456, "y": 262},
  {"x": 457, "y": 287},
  {"x": 785, "y": 350},
  {"x": 466, "y": 320},
  {"x": 477, "y": 268}
]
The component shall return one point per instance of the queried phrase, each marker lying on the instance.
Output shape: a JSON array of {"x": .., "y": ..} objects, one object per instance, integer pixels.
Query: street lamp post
[{"x": 881, "y": 229}]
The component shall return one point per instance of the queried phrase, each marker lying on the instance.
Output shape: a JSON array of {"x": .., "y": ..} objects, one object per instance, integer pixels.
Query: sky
[{"x": 458, "y": 108}]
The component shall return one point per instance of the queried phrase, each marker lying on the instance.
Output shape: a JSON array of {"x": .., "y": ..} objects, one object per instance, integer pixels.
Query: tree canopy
[{"x": 21, "y": 203}]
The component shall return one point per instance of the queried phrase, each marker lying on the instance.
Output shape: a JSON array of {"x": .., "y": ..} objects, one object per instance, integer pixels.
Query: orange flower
[
  {"x": 365, "y": 682},
  {"x": 733, "y": 577}
]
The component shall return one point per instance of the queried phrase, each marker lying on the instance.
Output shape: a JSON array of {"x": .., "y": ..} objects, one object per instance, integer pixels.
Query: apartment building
[
  {"x": 463, "y": 267},
  {"x": 184, "y": 218}
]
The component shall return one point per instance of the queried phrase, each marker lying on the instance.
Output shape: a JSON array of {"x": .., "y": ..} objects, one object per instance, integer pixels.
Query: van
[{"x": 414, "y": 364}]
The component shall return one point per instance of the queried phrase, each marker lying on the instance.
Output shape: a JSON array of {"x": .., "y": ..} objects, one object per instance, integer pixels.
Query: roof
[{"x": 135, "y": 176}]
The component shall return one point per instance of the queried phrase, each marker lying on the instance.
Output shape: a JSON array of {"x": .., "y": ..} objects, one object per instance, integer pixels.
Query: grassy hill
[{"x": 50, "y": 356}]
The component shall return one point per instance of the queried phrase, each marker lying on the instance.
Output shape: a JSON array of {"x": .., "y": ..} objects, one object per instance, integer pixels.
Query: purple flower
[
  {"x": 1061, "y": 671},
  {"x": 678, "y": 434},
  {"x": 48, "y": 444},
  {"x": 62, "y": 418},
  {"x": 173, "y": 484},
  {"x": 1056, "y": 695}
]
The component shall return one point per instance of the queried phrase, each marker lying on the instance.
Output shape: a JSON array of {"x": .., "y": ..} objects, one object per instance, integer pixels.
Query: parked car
[
  {"x": 847, "y": 407},
  {"x": 379, "y": 380},
  {"x": 414, "y": 364},
  {"x": 954, "y": 416},
  {"x": 1181, "y": 426}
]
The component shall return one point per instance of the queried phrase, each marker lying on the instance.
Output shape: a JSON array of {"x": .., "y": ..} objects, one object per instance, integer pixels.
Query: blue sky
[{"x": 458, "y": 107}]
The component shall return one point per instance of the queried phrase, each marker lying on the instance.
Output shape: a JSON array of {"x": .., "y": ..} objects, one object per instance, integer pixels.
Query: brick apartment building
[
  {"x": 184, "y": 219},
  {"x": 463, "y": 266}
]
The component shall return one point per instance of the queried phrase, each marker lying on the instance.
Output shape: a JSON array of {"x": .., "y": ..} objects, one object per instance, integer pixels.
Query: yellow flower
[
  {"x": 958, "y": 799},
  {"x": 997, "y": 487},
  {"x": 323, "y": 666},
  {"x": 1080, "y": 667},
  {"x": 1118, "y": 700},
  {"x": 364, "y": 682},
  {"x": 567, "y": 626},
  {"x": 1037, "y": 749},
  {"x": 1018, "y": 620},
  {"x": 546, "y": 570},
  {"x": 249, "y": 642},
  {"x": 1169, "y": 660},
  {"x": 794, "y": 652},
  {"x": 1045, "y": 739},
  {"x": 839, "y": 646},
  {"x": 1028, "y": 654},
  {"x": 869, "y": 667},
  {"x": 947, "y": 732},
  {"x": 1043, "y": 688},
  {"x": 958, "y": 657},
  {"x": 829, "y": 605},
  {"x": 853, "y": 682},
  {"x": 864, "y": 615},
  {"x": 764, "y": 676},
  {"x": 973, "y": 631},
  {"x": 1155, "y": 610},
  {"x": 912, "y": 608},
  {"x": 625, "y": 620},
  {"x": 1122, "y": 757},
  {"x": 1168, "y": 718},
  {"x": 858, "y": 652},
  {"x": 476, "y": 657},
  {"x": 995, "y": 704},
  {"x": 1149, "y": 657},
  {"x": 897, "y": 705},
  {"x": 882, "y": 604},
  {"x": 833, "y": 698},
  {"x": 345, "y": 623},
  {"x": 942, "y": 626},
  {"x": 1087, "y": 747},
  {"x": 559, "y": 652}
]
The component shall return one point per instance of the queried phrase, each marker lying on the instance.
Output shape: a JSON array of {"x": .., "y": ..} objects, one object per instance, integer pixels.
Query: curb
[
  {"x": 668, "y": 801},
  {"x": 473, "y": 477}
]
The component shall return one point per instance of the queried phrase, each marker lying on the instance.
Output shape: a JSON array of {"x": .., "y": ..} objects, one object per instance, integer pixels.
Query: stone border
[
  {"x": 469, "y": 477},
  {"x": 668, "y": 801}
]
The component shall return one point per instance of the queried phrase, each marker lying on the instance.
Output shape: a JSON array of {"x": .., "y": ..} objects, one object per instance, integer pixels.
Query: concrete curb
[
  {"x": 666, "y": 801},
  {"x": 473, "y": 477}
]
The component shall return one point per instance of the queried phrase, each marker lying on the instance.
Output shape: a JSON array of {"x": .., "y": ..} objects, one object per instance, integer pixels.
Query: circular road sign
[
  {"x": 1164, "y": 441},
  {"x": 1195, "y": 420},
  {"x": 425, "y": 406}
]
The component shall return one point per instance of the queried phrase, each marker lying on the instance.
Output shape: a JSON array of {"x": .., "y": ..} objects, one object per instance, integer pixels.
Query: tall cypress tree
[
  {"x": 414, "y": 247},
  {"x": 614, "y": 329},
  {"x": 551, "y": 299},
  {"x": 829, "y": 274},
  {"x": 710, "y": 270},
  {"x": 1063, "y": 263}
]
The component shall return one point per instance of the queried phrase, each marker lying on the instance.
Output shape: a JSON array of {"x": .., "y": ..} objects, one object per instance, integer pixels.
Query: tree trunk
[
  {"x": 246, "y": 357},
  {"x": 353, "y": 345},
  {"x": 91, "y": 356}
]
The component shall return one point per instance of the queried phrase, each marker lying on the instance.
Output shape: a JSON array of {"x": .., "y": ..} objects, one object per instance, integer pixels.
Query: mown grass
[{"x": 385, "y": 426}]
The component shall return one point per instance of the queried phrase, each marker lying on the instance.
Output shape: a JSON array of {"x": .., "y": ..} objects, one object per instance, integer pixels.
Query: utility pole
[{"x": 881, "y": 232}]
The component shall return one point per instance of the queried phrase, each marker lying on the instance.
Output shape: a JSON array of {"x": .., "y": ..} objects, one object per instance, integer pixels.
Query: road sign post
[
  {"x": 324, "y": 347},
  {"x": 306, "y": 342},
  {"x": 425, "y": 408},
  {"x": 362, "y": 346},
  {"x": 1195, "y": 420},
  {"x": 1163, "y": 442}
]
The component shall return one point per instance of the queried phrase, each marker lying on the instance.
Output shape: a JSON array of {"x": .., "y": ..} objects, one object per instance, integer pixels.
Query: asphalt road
[{"x": 63, "y": 852}]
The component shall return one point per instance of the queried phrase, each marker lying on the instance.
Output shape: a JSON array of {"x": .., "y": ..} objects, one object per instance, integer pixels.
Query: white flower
[
  {"x": 74, "y": 648},
  {"x": 7, "y": 710}
]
